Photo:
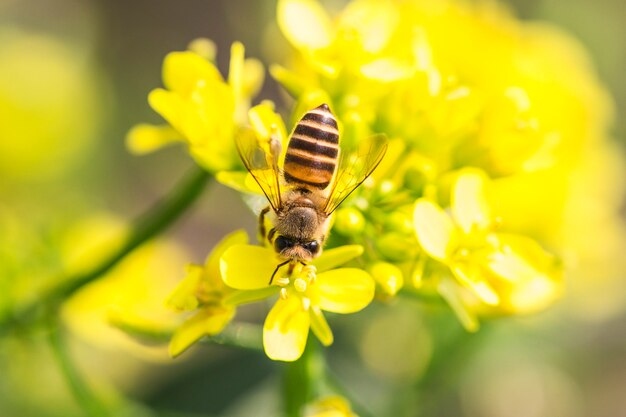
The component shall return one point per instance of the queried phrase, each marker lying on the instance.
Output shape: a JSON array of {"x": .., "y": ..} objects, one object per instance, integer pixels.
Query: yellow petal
[
  {"x": 184, "y": 71},
  {"x": 387, "y": 70},
  {"x": 253, "y": 77},
  {"x": 170, "y": 106},
  {"x": 203, "y": 47},
  {"x": 286, "y": 329},
  {"x": 304, "y": 23},
  {"x": 247, "y": 267},
  {"x": 470, "y": 207},
  {"x": 184, "y": 296},
  {"x": 331, "y": 406},
  {"x": 235, "y": 70},
  {"x": 208, "y": 321},
  {"x": 531, "y": 277},
  {"x": 468, "y": 274},
  {"x": 344, "y": 290},
  {"x": 372, "y": 21},
  {"x": 434, "y": 229},
  {"x": 518, "y": 258},
  {"x": 145, "y": 138},
  {"x": 320, "y": 326},
  {"x": 450, "y": 291},
  {"x": 293, "y": 83},
  {"x": 332, "y": 258},
  {"x": 266, "y": 122},
  {"x": 212, "y": 263},
  {"x": 209, "y": 158},
  {"x": 240, "y": 181}
]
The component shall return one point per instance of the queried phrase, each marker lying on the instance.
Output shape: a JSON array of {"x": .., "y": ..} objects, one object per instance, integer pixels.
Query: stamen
[
  {"x": 300, "y": 284},
  {"x": 283, "y": 281},
  {"x": 283, "y": 293},
  {"x": 311, "y": 272}
]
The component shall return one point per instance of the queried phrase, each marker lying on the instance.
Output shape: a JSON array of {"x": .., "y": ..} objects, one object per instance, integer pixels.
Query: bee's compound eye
[
  {"x": 282, "y": 243},
  {"x": 313, "y": 247}
]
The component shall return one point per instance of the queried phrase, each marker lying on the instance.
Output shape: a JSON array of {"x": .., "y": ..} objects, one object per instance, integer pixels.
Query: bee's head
[{"x": 290, "y": 248}]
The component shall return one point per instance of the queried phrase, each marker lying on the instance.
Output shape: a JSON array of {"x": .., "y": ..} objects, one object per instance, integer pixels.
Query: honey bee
[{"x": 315, "y": 177}]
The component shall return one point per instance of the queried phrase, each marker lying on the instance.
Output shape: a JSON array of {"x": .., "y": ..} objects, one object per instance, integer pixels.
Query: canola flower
[
  {"x": 472, "y": 202},
  {"x": 202, "y": 293},
  {"x": 330, "y": 406},
  {"x": 497, "y": 185},
  {"x": 411, "y": 70},
  {"x": 305, "y": 292},
  {"x": 507, "y": 271},
  {"x": 211, "y": 292},
  {"x": 203, "y": 110}
]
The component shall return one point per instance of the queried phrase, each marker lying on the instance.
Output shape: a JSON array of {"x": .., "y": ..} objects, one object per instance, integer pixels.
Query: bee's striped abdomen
[{"x": 313, "y": 149}]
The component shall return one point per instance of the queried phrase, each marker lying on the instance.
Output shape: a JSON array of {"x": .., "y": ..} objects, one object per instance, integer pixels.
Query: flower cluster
[
  {"x": 236, "y": 273},
  {"x": 409, "y": 70},
  {"x": 202, "y": 109},
  {"x": 305, "y": 291},
  {"x": 471, "y": 200}
]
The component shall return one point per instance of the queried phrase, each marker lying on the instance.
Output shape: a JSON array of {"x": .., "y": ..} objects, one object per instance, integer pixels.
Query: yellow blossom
[
  {"x": 203, "y": 110},
  {"x": 330, "y": 406},
  {"x": 305, "y": 291},
  {"x": 505, "y": 272},
  {"x": 411, "y": 68},
  {"x": 202, "y": 293}
]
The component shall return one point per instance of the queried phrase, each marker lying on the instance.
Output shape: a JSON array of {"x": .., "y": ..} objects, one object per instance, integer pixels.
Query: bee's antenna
[{"x": 276, "y": 270}]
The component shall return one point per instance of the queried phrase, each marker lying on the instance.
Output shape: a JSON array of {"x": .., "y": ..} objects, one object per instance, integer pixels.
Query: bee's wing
[
  {"x": 261, "y": 160},
  {"x": 354, "y": 168}
]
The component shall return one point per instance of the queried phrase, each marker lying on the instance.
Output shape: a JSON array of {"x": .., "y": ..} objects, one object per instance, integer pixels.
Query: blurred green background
[{"x": 74, "y": 76}]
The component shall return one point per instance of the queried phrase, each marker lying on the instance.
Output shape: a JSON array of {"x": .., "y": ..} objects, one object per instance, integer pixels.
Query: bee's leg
[{"x": 262, "y": 231}]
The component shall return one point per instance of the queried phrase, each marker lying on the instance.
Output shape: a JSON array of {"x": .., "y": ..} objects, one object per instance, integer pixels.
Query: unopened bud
[
  {"x": 349, "y": 221},
  {"x": 388, "y": 276}
]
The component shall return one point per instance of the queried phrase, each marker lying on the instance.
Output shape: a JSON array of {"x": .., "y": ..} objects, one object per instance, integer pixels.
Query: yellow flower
[
  {"x": 505, "y": 272},
  {"x": 265, "y": 123},
  {"x": 413, "y": 69},
  {"x": 331, "y": 406},
  {"x": 203, "y": 292},
  {"x": 305, "y": 291},
  {"x": 202, "y": 109}
]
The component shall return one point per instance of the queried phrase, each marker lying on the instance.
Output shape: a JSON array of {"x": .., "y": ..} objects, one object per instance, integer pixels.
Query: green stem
[
  {"x": 88, "y": 401},
  {"x": 145, "y": 227},
  {"x": 240, "y": 335},
  {"x": 304, "y": 379}
]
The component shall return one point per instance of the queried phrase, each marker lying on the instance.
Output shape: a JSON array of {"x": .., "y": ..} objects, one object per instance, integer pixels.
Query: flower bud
[
  {"x": 349, "y": 221},
  {"x": 384, "y": 189},
  {"x": 400, "y": 222},
  {"x": 388, "y": 276}
]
